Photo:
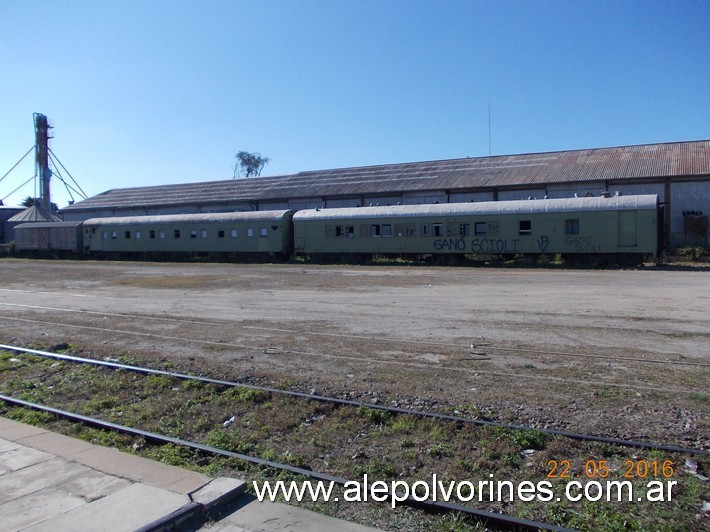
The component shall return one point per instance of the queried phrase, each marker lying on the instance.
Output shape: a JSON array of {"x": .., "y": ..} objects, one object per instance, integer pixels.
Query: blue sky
[{"x": 157, "y": 92}]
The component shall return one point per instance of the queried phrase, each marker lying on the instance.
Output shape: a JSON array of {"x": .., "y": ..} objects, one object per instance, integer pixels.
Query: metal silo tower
[{"x": 42, "y": 158}]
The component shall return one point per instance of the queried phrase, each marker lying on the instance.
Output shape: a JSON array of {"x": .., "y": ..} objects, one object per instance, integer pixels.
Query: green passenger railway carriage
[
  {"x": 614, "y": 225},
  {"x": 248, "y": 233},
  {"x": 628, "y": 227}
]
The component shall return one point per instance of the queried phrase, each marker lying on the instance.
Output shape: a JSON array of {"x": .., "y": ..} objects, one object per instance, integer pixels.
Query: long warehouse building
[{"x": 678, "y": 172}]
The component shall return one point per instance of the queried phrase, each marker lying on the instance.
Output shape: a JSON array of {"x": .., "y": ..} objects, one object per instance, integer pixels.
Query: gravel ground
[{"x": 618, "y": 353}]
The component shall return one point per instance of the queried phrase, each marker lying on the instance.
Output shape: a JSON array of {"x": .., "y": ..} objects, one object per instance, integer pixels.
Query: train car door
[{"x": 627, "y": 229}]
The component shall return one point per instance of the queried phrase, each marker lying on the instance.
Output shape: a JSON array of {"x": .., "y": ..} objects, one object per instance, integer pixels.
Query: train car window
[
  {"x": 464, "y": 229},
  {"x": 411, "y": 229},
  {"x": 138, "y": 235},
  {"x": 492, "y": 228},
  {"x": 250, "y": 232},
  {"x": 451, "y": 229},
  {"x": 344, "y": 231},
  {"x": 374, "y": 230},
  {"x": 386, "y": 230},
  {"x": 264, "y": 231},
  {"x": 425, "y": 230},
  {"x": 177, "y": 233},
  {"x": 220, "y": 233},
  {"x": 151, "y": 234},
  {"x": 480, "y": 228},
  {"x": 572, "y": 227},
  {"x": 203, "y": 233},
  {"x": 437, "y": 229},
  {"x": 114, "y": 235},
  {"x": 161, "y": 234},
  {"x": 399, "y": 229},
  {"x": 233, "y": 233},
  {"x": 128, "y": 235},
  {"x": 193, "y": 233},
  {"x": 104, "y": 235},
  {"x": 525, "y": 227},
  {"x": 364, "y": 231}
]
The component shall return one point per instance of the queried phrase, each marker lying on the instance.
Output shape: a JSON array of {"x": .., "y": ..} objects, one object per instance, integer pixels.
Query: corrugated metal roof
[
  {"x": 673, "y": 160},
  {"x": 35, "y": 213},
  {"x": 646, "y": 201},
  {"x": 255, "y": 216}
]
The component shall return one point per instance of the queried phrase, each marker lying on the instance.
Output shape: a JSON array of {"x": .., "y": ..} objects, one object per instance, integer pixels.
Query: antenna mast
[{"x": 489, "y": 128}]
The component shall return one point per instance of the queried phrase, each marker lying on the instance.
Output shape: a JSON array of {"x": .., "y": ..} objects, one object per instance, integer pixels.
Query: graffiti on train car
[
  {"x": 478, "y": 245},
  {"x": 450, "y": 244},
  {"x": 582, "y": 243}
]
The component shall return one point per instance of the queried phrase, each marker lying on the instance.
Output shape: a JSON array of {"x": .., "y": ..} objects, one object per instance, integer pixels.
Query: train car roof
[
  {"x": 43, "y": 225},
  {"x": 186, "y": 218},
  {"x": 647, "y": 201}
]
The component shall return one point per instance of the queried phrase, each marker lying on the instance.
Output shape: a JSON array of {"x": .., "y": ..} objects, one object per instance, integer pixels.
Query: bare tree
[{"x": 249, "y": 164}]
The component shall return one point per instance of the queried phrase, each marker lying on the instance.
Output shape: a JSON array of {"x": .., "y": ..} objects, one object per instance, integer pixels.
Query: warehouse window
[
  {"x": 193, "y": 233},
  {"x": 480, "y": 228},
  {"x": 151, "y": 234},
  {"x": 264, "y": 231},
  {"x": 250, "y": 232},
  {"x": 177, "y": 233},
  {"x": 161, "y": 234},
  {"x": 572, "y": 227},
  {"x": 220, "y": 233},
  {"x": 525, "y": 227},
  {"x": 204, "y": 233},
  {"x": 138, "y": 235},
  {"x": 233, "y": 233},
  {"x": 386, "y": 230}
]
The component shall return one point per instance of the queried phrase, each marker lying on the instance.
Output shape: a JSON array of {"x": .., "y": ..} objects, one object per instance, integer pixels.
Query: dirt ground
[{"x": 617, "y": 353}]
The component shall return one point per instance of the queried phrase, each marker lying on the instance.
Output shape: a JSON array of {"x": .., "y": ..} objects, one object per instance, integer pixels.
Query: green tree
[
  {"x": 29, "y": 201},
  {"x": 249, "y": 164}
]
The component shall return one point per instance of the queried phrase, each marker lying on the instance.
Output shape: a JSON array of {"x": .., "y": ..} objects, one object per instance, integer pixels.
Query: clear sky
[{"x": 153, "y": 92}]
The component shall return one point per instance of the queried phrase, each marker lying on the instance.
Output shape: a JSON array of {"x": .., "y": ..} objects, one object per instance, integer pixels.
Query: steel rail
[
  {"x": 276, "y": 351},
  {"x": 358, "y": 404},
  {"x": 503, "y": 520}
]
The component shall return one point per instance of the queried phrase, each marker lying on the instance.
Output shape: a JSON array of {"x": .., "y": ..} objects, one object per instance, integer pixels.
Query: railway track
[
  {"x": 493, "y": 518},
  {"x": 277, "y": 350},
  {"x": 502, "y": 521},
  {"x": 359, "y": 404}
]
